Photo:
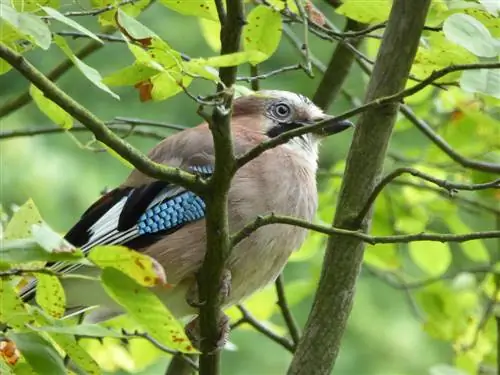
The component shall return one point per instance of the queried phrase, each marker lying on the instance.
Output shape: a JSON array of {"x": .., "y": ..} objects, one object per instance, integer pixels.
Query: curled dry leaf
[{"x": 9, "y": 351}]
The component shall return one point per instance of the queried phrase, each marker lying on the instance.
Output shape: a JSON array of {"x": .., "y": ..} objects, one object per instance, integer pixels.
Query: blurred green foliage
[{"x": 393, "y": 329}]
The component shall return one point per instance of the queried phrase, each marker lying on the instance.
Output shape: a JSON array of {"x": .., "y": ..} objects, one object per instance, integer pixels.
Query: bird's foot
[
  {"x": 193, "y": 332},
  {"x": 192, "y": 296}
]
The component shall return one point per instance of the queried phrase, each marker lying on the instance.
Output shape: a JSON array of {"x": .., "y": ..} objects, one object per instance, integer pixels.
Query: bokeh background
[{"x": 63, "y": 175}]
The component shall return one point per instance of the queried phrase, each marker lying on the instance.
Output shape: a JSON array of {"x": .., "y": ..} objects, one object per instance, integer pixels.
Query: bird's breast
[{"x": 285, "y": 186}]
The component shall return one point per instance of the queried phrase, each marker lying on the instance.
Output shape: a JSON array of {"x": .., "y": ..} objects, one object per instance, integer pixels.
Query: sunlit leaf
[
  {"x": 475, "y": 250},
  {"x": 471, "y": 34},
  {"x": 28, "y": 24},
  {"x": 90, "y": 73},
  {"x": 12, "y": 310},
  {"x": 133, "y": 9},
  {"x": 20, "y": 224},
  {"x": 168, "y": 84},
  {"x": 211, "y": 33},
  {"x": 140, "y": 267},
  {"x": 91, "y": 330},
  {"x": 147, "y": 309},
  {"x": 28, "y": 250},
  {"x": 262, "y": 32},
  {"x": 39, "y": 353},
  {"x": 68, "y": 21},
  {"x": 484, "y": 81},
  {"x": 198, "y": 8},
  {"x": 50, "y": 295},
  {"x": 365, "y": 11},
  {"x": 58, "y": 115},
  {"x": 432, "y": 257},
  {"x": 133, "y": 29},
  {"x": 232, "y": 59},
  {"x": 130, "y": 75}
]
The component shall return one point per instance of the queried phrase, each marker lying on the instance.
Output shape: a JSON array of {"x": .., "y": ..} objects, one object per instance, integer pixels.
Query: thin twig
[
  {"x": 272, "y": 73},
  {"x": 444, "y": 146},
  {"x": 94, "y": 12},
  {"x": 78, "y": 35},
  {"x": 387, "y": 100},
  {"x": 451, "y": 187},
  {"x": 286, "y": 312},
  {"x": 372, "y": 240},
  {"x": 9, "y": 134},
  {"x": 249, "y": 319},
  {"x": 159, "y": 345}
]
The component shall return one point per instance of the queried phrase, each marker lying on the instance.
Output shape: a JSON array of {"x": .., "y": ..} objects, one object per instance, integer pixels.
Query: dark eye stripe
[{"x": 281, "y": 128}]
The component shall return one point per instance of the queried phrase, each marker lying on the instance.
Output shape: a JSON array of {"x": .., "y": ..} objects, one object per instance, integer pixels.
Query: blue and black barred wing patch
[{"x": 134, "y": 217}]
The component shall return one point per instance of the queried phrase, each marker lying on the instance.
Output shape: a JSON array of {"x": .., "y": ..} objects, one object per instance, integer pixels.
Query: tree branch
[
  {"x": 343, "y": 258},
  {"x": 286, "y": 312},
  {"x": 337, "y": 70},
  {"x": 99, "y": 128},
  {"x": 358, "y": 235},
  {"x": 374, "y": 103},
  {"x": 25, "y": 98},
  {"x": 451, "y": 187},
  {"x": 445, "y": 147},
  {"x": 217, "y": 227},
  {"x": 9, "y": 134},
  {"x": 249, "y": 319}
]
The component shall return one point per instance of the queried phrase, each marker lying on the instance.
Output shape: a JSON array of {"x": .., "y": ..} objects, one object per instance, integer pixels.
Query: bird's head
[{"x": 281, "y": 111}]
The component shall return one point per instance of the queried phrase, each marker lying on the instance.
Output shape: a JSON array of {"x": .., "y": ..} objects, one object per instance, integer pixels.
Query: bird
[{"x": 167, "y": 222}]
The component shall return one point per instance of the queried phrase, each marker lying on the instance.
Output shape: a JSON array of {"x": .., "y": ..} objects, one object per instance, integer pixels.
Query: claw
[
  {"x": 193, "y": 299},
  {"x": 192, "y": 330}
]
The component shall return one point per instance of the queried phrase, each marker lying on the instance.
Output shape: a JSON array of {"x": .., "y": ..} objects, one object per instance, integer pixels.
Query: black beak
[{"x": 334, "y": 126}]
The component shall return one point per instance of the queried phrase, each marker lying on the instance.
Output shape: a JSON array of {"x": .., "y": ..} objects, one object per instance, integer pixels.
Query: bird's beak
[{"x": 333, "y": 126}]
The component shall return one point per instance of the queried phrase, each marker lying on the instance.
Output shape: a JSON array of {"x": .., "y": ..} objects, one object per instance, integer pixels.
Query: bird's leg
[
  {"x": 192, "y": 330},
  {"x": 193, "y": 299}
]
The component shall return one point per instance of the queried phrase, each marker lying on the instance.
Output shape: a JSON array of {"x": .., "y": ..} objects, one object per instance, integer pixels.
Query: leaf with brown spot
[
  {"x": 147, "y": 309},
  {"x": 142, "y": 268},
  {"x": 50, "y": 295}
]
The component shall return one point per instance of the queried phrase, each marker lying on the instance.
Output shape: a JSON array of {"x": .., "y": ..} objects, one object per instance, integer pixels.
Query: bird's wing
[{"x": 133, "y": 216}]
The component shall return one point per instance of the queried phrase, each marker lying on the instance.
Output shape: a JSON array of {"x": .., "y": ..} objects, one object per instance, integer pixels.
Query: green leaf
[
  {"x": 39, "y": 353},
  {"x": 365, "y": 11},
  {"x": 210, "y": 30},
  {"x": 93, "y": 330},
  {"x": 90, "y": 73},
  {"x": 109, "y": 18},
  {"x": 50, "y": 295},
  {"x": 134, "y": 29},
  {"x": 471, "y": 34},
  {"x": 29, "y": 250},
  {"x": 27, "y": 24},
  {"x": 166, "y": 84},
  {"x": 12, "y": 310},
  {"x": 51, "y": 241},
  {"x": 147, "y": 309},
  {"x": 475, "y": 250},
  {"x": 68, "y": 21},
  {"x": 143, "y": 269},
  {"x": 20, "y": 224},
  {"x": 66, "y": 341},
  {"x": 199, "y": 8},
  {"x": 484, "y": 81},
  {"x": 231, "y": 59},
  {"x": 432, "y": 257},
  {"x": 262, "y": 33},
  {"x": 58, "y": 115},
  {"x": 130, "y": 75}
]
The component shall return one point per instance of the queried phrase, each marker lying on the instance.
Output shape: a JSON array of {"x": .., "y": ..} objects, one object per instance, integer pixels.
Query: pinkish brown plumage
[{"x": 281, "y": 181}]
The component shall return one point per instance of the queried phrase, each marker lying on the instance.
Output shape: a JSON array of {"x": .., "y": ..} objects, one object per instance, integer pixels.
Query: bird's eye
[{"x": 282, "y": 110}]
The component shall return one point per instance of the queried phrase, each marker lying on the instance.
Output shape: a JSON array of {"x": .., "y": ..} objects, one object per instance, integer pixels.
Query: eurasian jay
[{"x": 166, "y": 221}]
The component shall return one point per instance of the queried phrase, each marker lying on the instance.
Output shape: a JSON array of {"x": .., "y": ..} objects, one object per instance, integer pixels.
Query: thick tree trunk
[{"x": 319, "y": 346}]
